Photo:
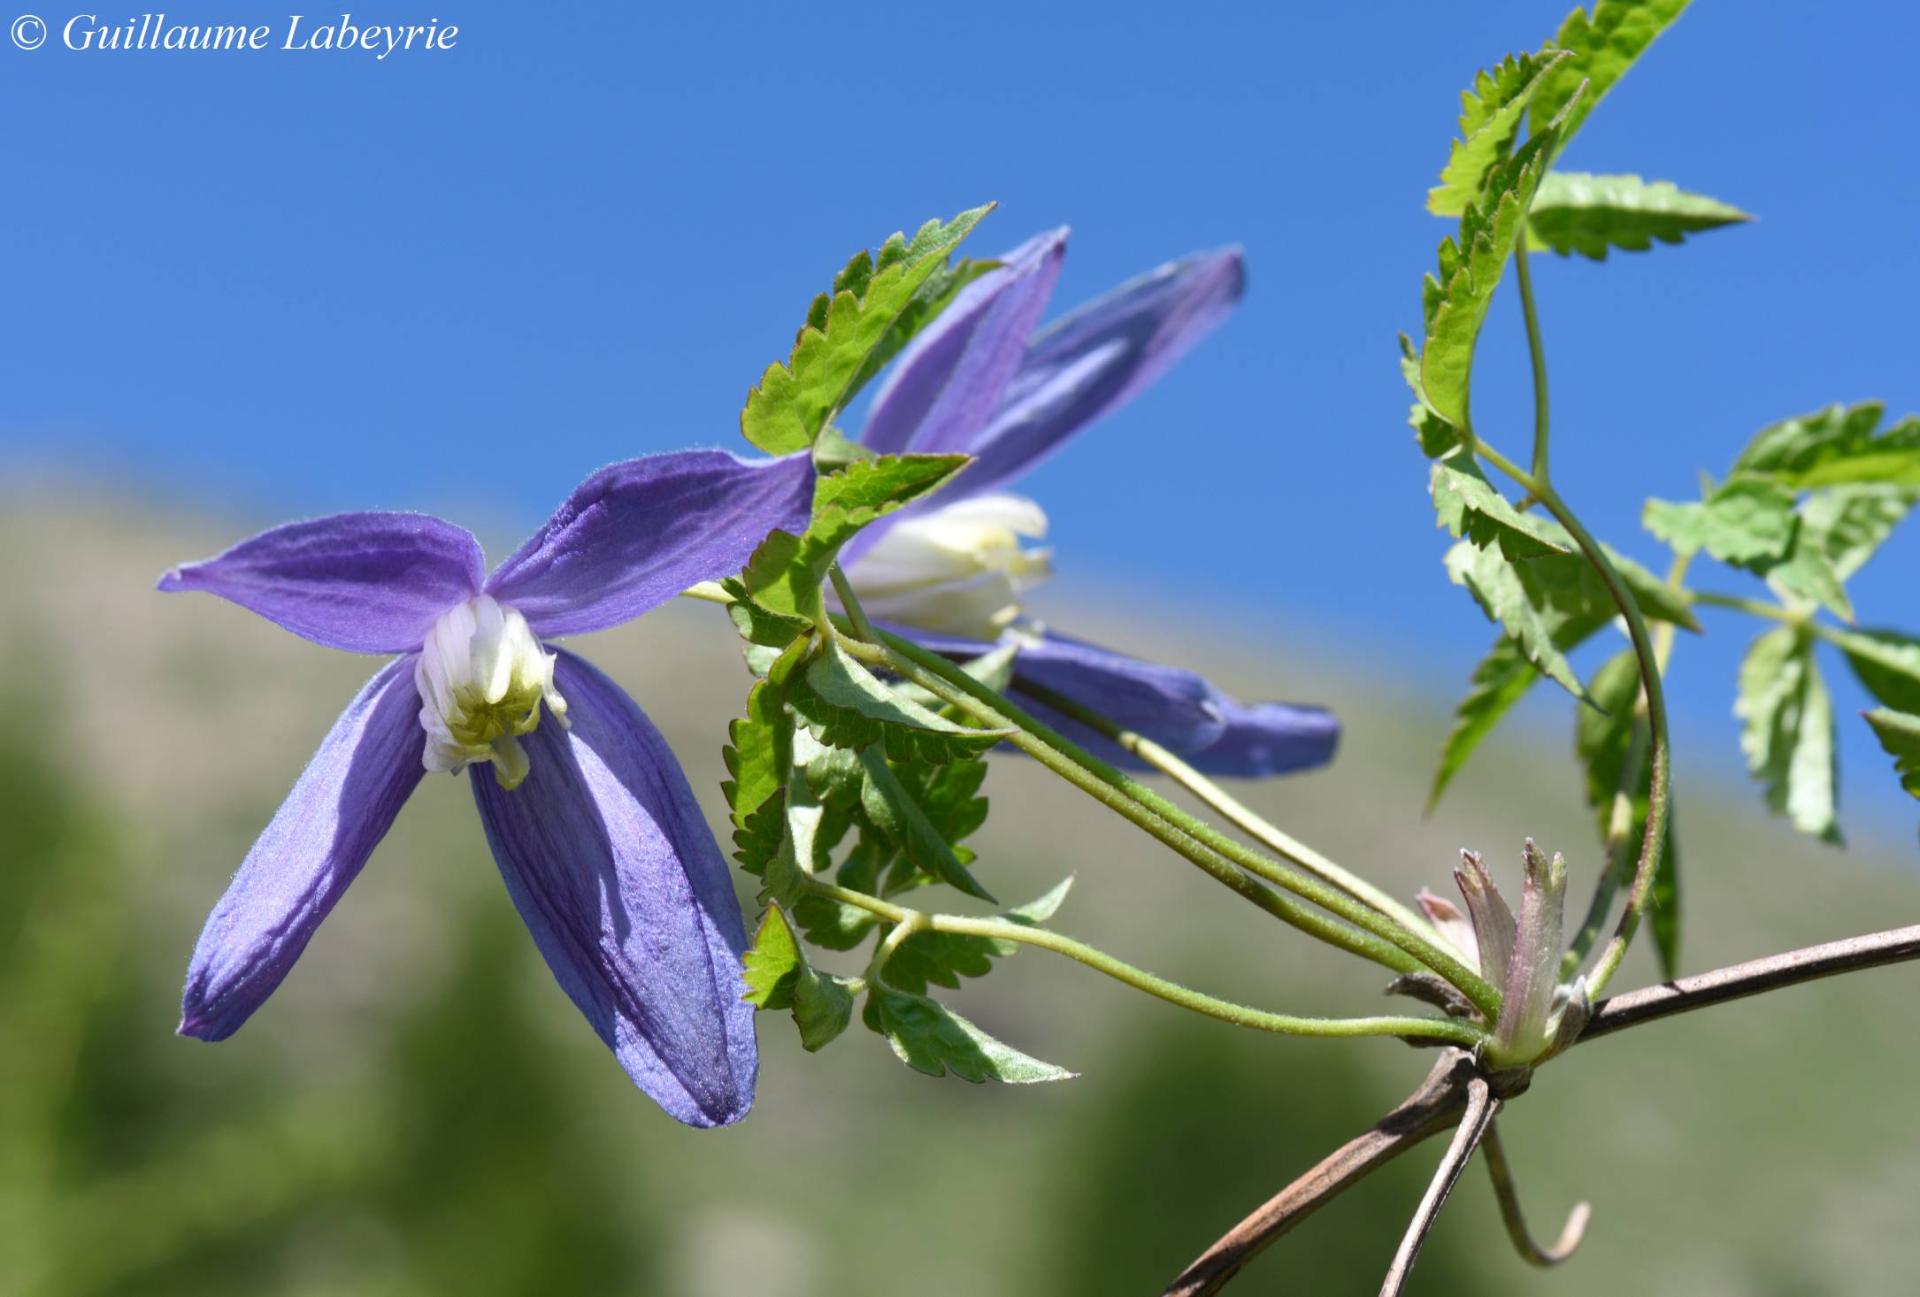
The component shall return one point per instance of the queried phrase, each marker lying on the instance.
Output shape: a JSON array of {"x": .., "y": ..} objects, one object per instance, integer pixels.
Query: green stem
[
  {"x": 1659, "y": 749},
  {"x": 1537, "y": 354},
  {"x": 1381, "y": 938},
  {"x": 851, "y": 602},
  {"x": 906, "y": 922},
  {"x": 1752, "y": 607},
  {"x": 1660, "y": 795},
  {"x": 1366, "y": 933},
  {"x": 1216, "y": 865},
  {"x": 1231, "y": 808},
  {"x": 1459, "y": 1033},
  {"x": 1632, "y": 772}
]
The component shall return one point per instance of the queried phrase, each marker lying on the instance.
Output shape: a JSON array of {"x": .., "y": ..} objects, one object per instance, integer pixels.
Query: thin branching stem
[
  {"x": 1475, "y": 1121},
  {"x": 1437, "y": 1103},
  {"x": 905, "y": 922},
  {"x": 1736, "y": 981},
  {"x": 1539, "y": 483},
  {"x": 1537, "y": 355},
  {"x": 1508, "y": 1196},
  {"x": 1086, "y": 773},
  {"x": 1618, "y": 860},
  {"x": 1433, "y": 1107},
  {"x": 1230, "y": 808},
  {"x": 1133, "y": 799}
]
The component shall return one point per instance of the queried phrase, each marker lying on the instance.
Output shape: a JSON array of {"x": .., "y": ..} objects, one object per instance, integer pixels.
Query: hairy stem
[
  {"x": 1151, "y": 811},
  {"x": 1633, "y": 771},
  {"x": 1085, "y": 773},
  {"x": 1228, "y": 807},
  {"x": 1660, "y": 791},
  {"x": 1537, "y": 355},
  {"x": 1752, "y": 607},
  {"x": 1439, "y": 1029}
]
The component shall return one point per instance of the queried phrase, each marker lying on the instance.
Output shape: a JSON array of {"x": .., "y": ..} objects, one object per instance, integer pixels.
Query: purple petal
[
  {"x": 1093, "y": 361},
  {"x": 951, "y": 378},
  {"x": 365, "y": 582},
  {"x": 619, "y": 880},
  {"x": 637, "y": 533},
  {"x": 339, "y": 809},
  {"x": 1174, "y": 708},
  {"x": 1261, "y": 739}
]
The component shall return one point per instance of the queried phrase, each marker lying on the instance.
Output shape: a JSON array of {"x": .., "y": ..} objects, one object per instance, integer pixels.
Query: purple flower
[
  {"x": 591, "y": 821},
  {"x": 952, "y": 572}
]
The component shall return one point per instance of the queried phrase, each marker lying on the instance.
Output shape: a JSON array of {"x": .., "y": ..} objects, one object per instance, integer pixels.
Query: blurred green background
[{"x": 420, "y": 1111}]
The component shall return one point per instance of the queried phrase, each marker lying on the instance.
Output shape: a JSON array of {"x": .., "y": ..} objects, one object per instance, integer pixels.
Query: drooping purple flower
[
  {"x": 595, "y": 830},
  {"x": 951, "y": 572}
]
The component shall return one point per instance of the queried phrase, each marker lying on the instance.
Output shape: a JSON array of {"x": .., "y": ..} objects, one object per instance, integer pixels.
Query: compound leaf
[
  {"x": 794, "y": 400},
  {"x": 1588, "y": 214}
]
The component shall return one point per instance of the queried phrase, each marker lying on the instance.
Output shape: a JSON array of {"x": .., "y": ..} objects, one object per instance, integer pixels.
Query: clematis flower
[
  {"x": 1521, "y": 956},
  {"x": 953, "y": 572},
  {"x": 590, "y": 819}
]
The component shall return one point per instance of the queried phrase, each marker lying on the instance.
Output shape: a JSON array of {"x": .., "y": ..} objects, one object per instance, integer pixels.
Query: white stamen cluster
[
  {"x": 482, "y": 677},
  {"x": 958, "y": 570}
]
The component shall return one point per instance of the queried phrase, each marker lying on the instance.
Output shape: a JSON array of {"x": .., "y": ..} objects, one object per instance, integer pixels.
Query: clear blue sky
[{"x": 296, "y": 283}]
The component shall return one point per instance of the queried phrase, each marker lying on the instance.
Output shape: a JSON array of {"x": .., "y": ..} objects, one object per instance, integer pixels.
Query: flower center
[
  {"x": 959, "y": 570},
  {"x": 482, "y": 677}
]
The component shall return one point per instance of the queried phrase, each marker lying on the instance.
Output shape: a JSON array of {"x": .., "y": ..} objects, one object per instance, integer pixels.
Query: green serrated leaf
[
  {"x": 758, "y": 758},
  {"x": 1469, "y": 506},
  {"x": 1603, "y": 733},
  {"x": 932, "y": 1039},
  {"x": 1523, "y": 572},
  {"x": 1839, "y": 446},
  {"x": 1500, "y": 680},
  {"x": 785, "y": 574},
  {"x": 1849, "y": 523},
  {"x": 847, "y": 706},
  {"x": 772, "y": 963},
  {"x": 1602, "y": 46},
  {"x": 1471, "y": 265},
  {"x": 1899, "y": 735},
  {"x": 1887, "y": 663},
  {"x": 926, "y": 305},
  {"x": 1788, "y": 730},
  {"x": 1536, "y": 628},
  {"x": 778, "y": 976},
  {"x": 794, "y": 400},
  {"x": 1577, "y": 212},
  {"x": 1748, "y": 521},
  {"x": 894, "y": 811},
  {"x": 781, "y": 579},
  {"x": 1809, "y": 577},
  {"x": 1490, "y": 114},
  {"x": 930, "y": 958},
  {"x": 758, "y": 625}
]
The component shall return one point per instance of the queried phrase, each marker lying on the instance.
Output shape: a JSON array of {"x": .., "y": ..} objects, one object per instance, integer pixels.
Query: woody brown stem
[{"x": 1439, "y": 1101}]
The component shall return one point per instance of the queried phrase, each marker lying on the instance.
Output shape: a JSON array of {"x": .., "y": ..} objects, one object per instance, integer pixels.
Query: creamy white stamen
[
  {"x": 482, "y": 677},
  {"x": 959, "y": 570}
]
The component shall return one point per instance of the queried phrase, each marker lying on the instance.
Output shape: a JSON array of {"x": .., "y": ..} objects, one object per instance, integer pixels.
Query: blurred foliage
[
  {"x": 451, "y": 1170},
  {"x": 420, "y": 1111}
]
